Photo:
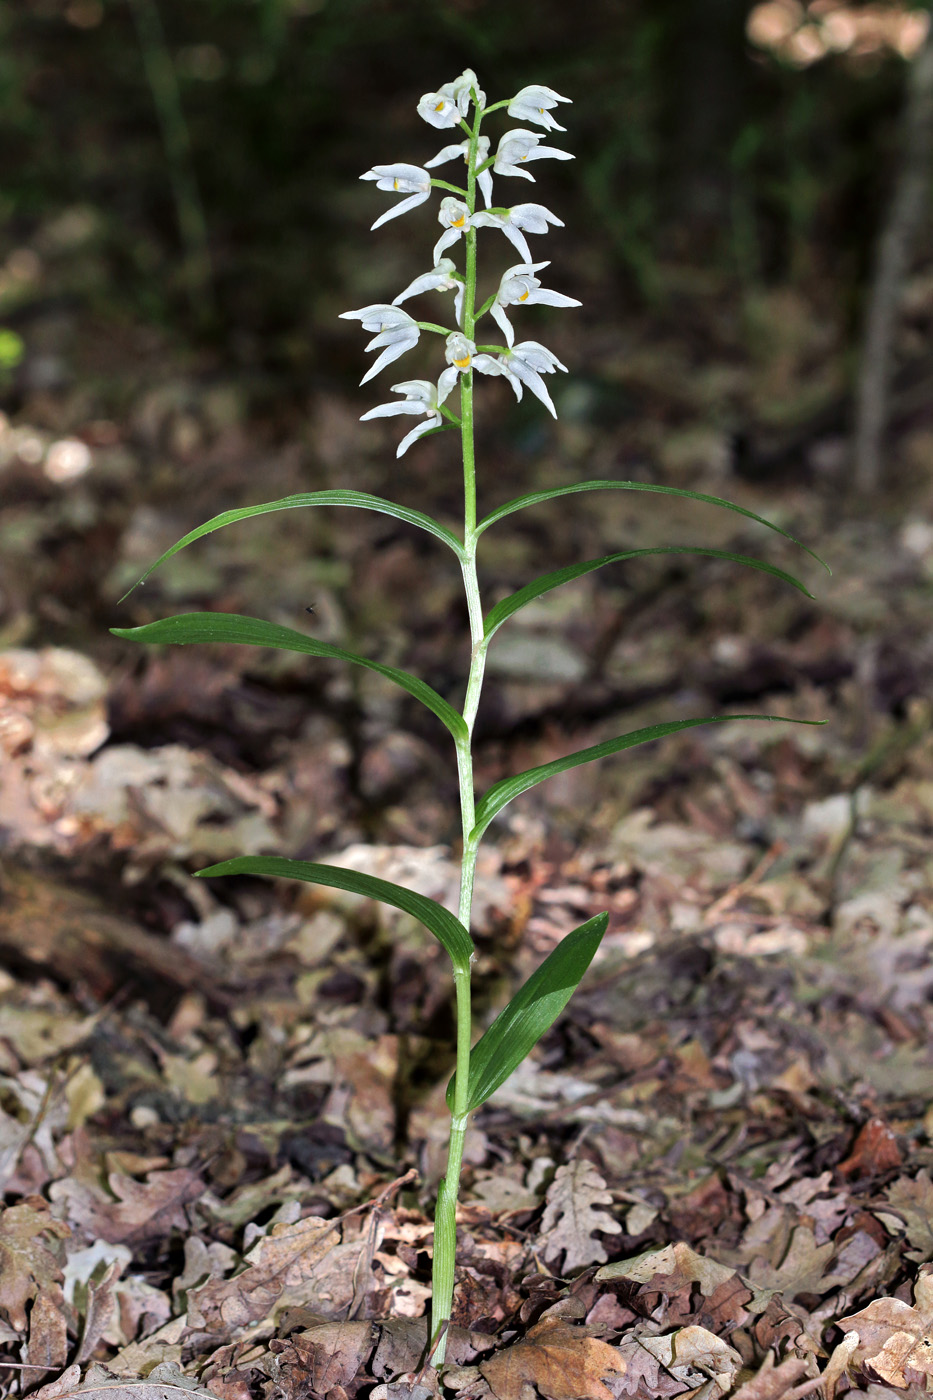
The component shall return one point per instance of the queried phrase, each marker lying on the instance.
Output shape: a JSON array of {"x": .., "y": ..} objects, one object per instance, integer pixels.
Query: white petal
[
  {"x": 443, "y": 156},
  {"x": 518, "y": 239},
  {"x": 447, "y": 381},
  {"x": 542, "y": 297},
  {"x": 417, "y": 431},
  {"x": 484, "y": 180},
  {"x": 391, "y": 410},
  {"x": 538, "y": 388},
  {"x": 390, "y": 353},
  {"x": 411, "y": 202},
  {"x": 445, "y": 241},
  {"x": 502, "y": 321}
]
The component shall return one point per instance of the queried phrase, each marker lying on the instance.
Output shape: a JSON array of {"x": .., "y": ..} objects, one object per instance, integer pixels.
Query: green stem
[{"x": 445, "y": 1219}]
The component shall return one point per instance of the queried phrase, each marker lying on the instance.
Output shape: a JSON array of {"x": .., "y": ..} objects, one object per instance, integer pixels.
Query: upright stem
[{"x": 445, "y": 1218}]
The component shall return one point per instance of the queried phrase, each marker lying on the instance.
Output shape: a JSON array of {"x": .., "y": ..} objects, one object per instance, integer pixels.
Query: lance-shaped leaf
[
  {"x": 501, "y": 793},
  {"x": 546, "y": 582},
  {"x": 533, "y": 1010},
  {"x": 252, "y": 631},
  {"x": 446, "y": 927},
  {"x": 535, "y": 497},
  {"x": 360, "y": 499}
]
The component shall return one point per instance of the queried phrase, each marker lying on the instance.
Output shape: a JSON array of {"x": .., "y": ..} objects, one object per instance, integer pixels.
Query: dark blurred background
[{"x": 193, "y": 164}]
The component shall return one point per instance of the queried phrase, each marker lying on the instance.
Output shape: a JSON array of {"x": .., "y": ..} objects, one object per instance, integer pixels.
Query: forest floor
[{"x": 221, "y": 1105}]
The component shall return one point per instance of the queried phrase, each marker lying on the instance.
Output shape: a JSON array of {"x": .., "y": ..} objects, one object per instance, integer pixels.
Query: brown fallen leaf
[
  {"x": 571, "y": 1217},
  {"x": 275, "y": 1268},
  {"x": 166, "y": 1382},
  {"x": 772, "y": 1382},
  {"x": 48, "y": 1332},
  {"x": 913, "y": 1200},
  {"x": 559, "y": 1359},
  {"x": 692, "y": 1354},
  {"x": 143, "y": 1210},
  {"x": 27, "y": 1263},
  {"x": 677, "y": 1262},
  {"x": 875, "y": 1150},
  {"x": 894, "y": 1339},
  {"x": 333, "y": 1353}
]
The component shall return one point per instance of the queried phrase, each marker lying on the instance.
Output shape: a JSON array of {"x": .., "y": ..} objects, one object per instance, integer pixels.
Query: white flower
[
  {"x": 442, "y": 279},
  {"x": 421, "y": 397},
  {"x": 455, "y": 216},
  {"x": 519, "y": 286},
  {"x": 439, "y": 110},
  {"x": 533, "y": 218},
  {"x": 522, "y": 146},
  {"x": 450, "y": 103},
  {"x": 532, "y": 105},
  {"x": 401, "y": 179},
  {"x": 524, "y": 364},
  {"x": 462, "y": 148},
  {"x": 396, "y": 332},
  {"x": 458, "y": 352}
]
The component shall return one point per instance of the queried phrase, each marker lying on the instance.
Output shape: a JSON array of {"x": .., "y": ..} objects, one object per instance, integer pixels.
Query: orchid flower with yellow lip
[
  {"x": 521, "y": 146},
  {"x": 455, "y": 216},
  {"x": 450, "y": 104},
  {"x": 532, "y": 218},
  {"x": 519, "y": 287},
  {"x": 396, "y": 332},
  {"x": 462, "y": 148},
  {"x": 444, "y": 278},
  {"x": 524, "y": 364},
  {"x": 532, "y": 104},
  {"x": 421, "y": 397},
  {"x": 400, "y": 179}
]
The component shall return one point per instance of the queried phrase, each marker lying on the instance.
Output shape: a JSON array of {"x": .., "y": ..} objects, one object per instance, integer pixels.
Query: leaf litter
[{"x": 219, "y": 1106}]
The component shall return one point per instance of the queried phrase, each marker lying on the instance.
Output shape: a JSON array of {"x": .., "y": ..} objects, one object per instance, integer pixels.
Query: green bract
[{"x": 461, "y": 104}]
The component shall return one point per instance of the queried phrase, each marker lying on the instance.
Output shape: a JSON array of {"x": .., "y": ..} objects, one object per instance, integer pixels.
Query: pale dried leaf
[
  {"x": 27, "y": 1263},
  {"x": 559, "y": 1359},
  {"x": 675, "y": 1261},
  {"x": 571, "y": 1217},
  {"x": 275, "y": 1267}
]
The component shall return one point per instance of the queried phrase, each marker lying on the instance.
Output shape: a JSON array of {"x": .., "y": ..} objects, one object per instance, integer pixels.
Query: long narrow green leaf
[
  {"x": 252, "y": 631},
  {"x": 533, "y": 1010},
  {"x": 535, "y": 497},
  {"x": 501, "y": 793},
  {"x": 504, "y": 610},
  {"x": 447, "y": 929},
  {"x": 359, "y": 499}
]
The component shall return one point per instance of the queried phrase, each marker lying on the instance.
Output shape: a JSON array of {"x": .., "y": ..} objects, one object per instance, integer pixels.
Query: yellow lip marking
[
  {"x": 462, "y": 364},
  {"x": 439, "y": 107},
  {"x": 524, "y": 296},
  {"x": 458, "y": 223},
  {"x": 395, "y": 184}
]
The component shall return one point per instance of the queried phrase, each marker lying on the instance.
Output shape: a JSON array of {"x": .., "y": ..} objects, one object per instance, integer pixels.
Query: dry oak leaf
[
  {"x": 893, "y": 1337},
  {"x": 557, "y": 1358},
  {"x": 165, "y": 1382},
  {"x": 27, "y": 1264},
  {"x": 802, "y": 1269},
  {"x": 678, "y": 1262},
  {"x": 571, "y": 1216},
  {"x": 913, "y": 1201},
  {"x": 332, "y": 1353},
  {"x": 275, "y": 1269},
  {"x": 693, "y": 1355},
  {"x": 142, "y": 1210}
]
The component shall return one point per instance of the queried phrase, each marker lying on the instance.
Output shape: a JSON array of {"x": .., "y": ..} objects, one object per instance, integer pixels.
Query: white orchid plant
[{"x": 483, "y": 1067}]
